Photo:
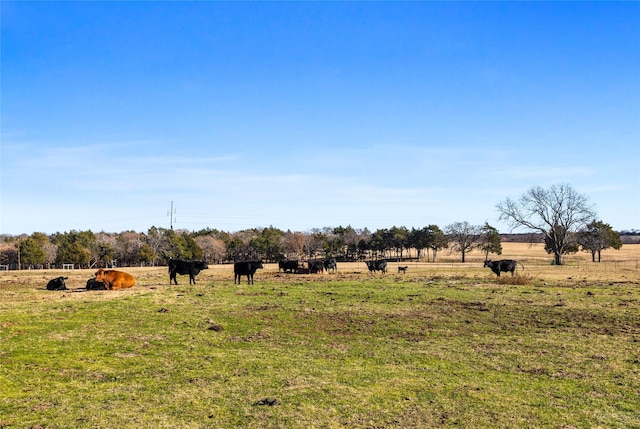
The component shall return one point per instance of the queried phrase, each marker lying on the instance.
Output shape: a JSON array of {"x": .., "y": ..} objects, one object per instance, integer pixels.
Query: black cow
[
  {"x": 178, "y": 266},
  {"x": 93, "y": 284},
  {"x": 289, "y": 265},
  {"x": 246, "y": 268},
  {"x": 379, "y": 265},
  {"x": 502, "y": 265},
  {"x": 316, "y": 266},
  {"x": 57, "y": 284},
  {"x": 403, "y": 269},
  {"x": 330, "y": 264}
]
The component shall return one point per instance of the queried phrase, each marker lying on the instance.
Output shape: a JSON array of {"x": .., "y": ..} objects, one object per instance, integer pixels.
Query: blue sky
[{"x": 303, "y": 115}]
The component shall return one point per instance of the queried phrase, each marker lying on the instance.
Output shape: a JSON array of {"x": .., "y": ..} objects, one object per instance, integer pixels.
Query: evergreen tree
[
  {"x": 32, "y": 251},
  {"x": 490, "y": 241},
  {"x": 598, "y": 236}
]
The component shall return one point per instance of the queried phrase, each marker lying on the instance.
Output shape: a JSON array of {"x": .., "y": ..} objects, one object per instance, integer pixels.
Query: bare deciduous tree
[
  {"x": 463, "y": 237},
  {"x": 214, "y": 250},
  {"x": 557, "y": 213},
  {"x": 293, "y": 244}
]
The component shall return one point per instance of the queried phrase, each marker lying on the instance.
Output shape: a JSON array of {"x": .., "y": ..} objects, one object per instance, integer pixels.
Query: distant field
[{"x": 445, "y": 345}]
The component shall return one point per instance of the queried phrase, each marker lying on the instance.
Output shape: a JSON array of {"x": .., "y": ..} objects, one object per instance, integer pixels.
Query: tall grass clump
[{"x": 516, "y": 279}]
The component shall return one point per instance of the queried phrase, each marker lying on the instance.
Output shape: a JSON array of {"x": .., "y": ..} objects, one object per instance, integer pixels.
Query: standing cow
[
  {"x": 316, "y": 266},
  {"x": 192, "y": 268},
  {"x": 115, "y": 279},
  {"x": 288, "y": 265},
  {"x": 503, "y": 265},
  {"x": 379, "y": 265},
  {"x": 57, "y": 284},
  {"x": 330, "y": 264},
  {"x": 245, "y": 268}
]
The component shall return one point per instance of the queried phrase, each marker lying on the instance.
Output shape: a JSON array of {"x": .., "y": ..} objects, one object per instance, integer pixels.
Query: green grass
[{"x": 369, "y": 352}]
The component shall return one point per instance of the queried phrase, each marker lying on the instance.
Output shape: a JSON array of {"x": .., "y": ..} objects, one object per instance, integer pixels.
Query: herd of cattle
[
  {"x": 314, "y": 266},
  {"x": 114, "y": 280}
]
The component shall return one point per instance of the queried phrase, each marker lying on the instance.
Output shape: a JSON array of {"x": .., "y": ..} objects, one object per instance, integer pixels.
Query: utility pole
[{"x": 171, "y": 213}]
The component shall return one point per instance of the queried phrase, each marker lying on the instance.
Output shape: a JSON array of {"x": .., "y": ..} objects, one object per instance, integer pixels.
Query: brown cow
[{"x": 115, "y": 279}]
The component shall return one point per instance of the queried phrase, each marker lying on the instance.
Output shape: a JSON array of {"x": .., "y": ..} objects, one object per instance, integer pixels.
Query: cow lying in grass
[
  {"x": 57, "y": 284},
  {"x": 93, "y": 284},
  {"x": 115, "y": 279}
]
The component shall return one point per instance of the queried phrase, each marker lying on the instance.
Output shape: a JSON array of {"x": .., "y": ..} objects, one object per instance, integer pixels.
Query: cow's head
[{"x": 488, "y": 263}]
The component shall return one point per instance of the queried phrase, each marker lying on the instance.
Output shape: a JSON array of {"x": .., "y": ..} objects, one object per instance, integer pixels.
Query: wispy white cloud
[
  {"x": 557, "y": 173},
  {"x": 610, "y": 187},
  {"x": 234, "y": 190}
]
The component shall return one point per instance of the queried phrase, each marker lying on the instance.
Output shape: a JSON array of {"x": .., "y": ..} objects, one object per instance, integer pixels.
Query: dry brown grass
[{"x": 617, "y": 266}]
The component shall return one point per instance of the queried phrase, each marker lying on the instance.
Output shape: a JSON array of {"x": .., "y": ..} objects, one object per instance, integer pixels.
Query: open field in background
[
  {"x": 616, "y": 265},
  {"x": 446, "y": 345}
]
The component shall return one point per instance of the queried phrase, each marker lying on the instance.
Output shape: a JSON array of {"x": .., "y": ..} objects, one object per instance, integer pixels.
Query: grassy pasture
[{"x": 445, "y": 345}]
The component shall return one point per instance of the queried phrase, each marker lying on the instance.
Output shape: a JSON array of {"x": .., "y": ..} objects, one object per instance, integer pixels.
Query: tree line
[
  {"x": 559, "y": 215},
  {"x": 86, "y": 249}
]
